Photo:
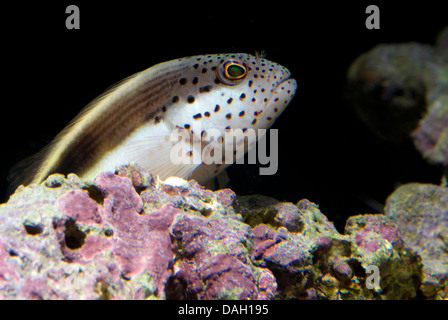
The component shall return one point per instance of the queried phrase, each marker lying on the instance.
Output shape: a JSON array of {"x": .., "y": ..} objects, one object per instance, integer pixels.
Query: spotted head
[
  {"x": 230, "y": 91},
  {"x": 227, "y": 92}
]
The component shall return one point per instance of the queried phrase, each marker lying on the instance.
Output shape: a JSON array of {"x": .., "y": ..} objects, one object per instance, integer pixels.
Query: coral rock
[
  {"x": 421, "y": 211},
  {"x": 378, "y": 243},
  {"x": 130, "y": 235}
]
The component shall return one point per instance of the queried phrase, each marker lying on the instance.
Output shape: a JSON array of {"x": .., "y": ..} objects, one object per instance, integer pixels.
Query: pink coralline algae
[
  {"x": 140, "y": 242},
  {"x": 129, "y": 235},
  {"x": 66, "y": 239}
]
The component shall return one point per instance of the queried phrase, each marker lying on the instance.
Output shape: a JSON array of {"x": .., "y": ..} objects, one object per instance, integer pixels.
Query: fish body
[{"x": 134, "y": 121}]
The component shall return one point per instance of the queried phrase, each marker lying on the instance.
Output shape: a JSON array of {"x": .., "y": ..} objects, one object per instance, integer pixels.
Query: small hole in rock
[
  {"x": 357, "y": 268},
  {"x": 53, "y": 183},
  {"x": 33, "y": 230},
  {"x": 13, "y": 253},
  {"x": 206, "y": 212},
  {"x": 95, "y": 194},
  {"x": 125, "y": 277},
  {"x": 74, "y": 238}
]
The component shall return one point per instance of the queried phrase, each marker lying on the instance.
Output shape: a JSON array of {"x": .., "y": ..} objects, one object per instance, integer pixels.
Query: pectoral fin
[{"x": 158, "y": 155}]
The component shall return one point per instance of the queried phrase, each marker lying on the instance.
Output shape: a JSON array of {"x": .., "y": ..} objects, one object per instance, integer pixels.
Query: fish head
[
  {"x": 227, "y": 98},
  {"x": 231, "y": 91}
]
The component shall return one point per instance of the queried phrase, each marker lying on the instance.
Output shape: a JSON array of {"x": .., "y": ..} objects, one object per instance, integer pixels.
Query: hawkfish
[{"x": 133, "y": 122}]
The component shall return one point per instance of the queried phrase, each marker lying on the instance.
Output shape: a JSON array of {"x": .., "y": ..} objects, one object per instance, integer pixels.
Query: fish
[{"x": 133, "y": 122}]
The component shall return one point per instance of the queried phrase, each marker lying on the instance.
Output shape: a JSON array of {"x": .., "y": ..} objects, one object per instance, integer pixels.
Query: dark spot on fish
[
  {"x": 175, "y": 99},
  {"x": 207, "y": 114},
  {"x": 163, "y": 109},
  {"x": 242, "y": 96},
  {"x": 195, "y": 80},
  {"x": 204, "y": 70},
  {"x": 229, "y": 116},
  {"x": 205, "y": 88},
  {"x": 197, "y": 116},
  {"x": 187, "y": 126},
  {"x": 157, "y": 120},
  {"x": 242, "y": 113},
  {"x": 217, "y": 81},
  {"x": 275, "y": 109},
  {"x": 230, "y": 100},
  {"x": 183, "y": 81},
  {"x": 190, "y": 99},
  {"x": 196, "y": 66},
  {"x": 254, "y": 100},
  {"x": 269, "y": 118},
  {"x": 250, "y": 83},
  {"x": 254, "y": 122},
  {"x": 217, "y": 108}
]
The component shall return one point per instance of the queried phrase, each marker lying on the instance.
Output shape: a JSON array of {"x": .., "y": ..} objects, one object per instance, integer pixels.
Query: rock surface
[
  {"x": 129, "y": 235},
  {"x": 421, "y": 211}
]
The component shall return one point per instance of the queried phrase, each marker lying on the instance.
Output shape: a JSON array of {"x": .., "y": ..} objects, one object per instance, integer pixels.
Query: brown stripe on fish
[{"x": 123, "y": 116}]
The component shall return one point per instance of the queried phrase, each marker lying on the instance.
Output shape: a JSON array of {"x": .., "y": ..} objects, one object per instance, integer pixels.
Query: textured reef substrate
[{"x": 128, "y": 235}]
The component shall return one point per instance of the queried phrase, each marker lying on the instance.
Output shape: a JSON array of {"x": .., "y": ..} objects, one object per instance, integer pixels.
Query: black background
[{"x": 325, "y": 153}]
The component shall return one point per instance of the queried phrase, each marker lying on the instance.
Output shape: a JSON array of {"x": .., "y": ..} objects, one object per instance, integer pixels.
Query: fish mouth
[
  {"x": 282, "y": 94},
  {"x": 289, "y": 78},
  {"x": 285, "y": 76}
]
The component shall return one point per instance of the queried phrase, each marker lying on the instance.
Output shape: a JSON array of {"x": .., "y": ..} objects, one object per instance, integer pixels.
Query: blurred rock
[{"x": 400, "y": 91}]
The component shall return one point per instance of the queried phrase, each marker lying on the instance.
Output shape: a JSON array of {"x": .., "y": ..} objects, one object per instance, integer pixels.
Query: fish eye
[{"x": 232, "y": 72}]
